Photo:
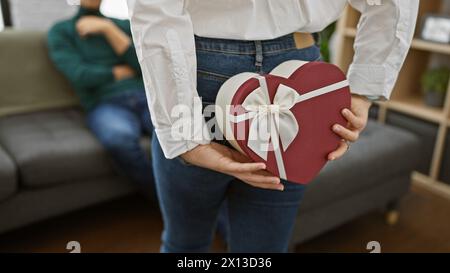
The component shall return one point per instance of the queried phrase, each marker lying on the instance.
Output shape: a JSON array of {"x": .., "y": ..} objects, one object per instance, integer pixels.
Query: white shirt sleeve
[
  {"x": 164, "y": 40},
  {"x": 382, "y": 41}
]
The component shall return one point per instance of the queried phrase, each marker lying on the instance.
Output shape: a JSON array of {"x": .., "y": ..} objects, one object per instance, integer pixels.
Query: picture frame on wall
[{"x": 436, "y": 28}]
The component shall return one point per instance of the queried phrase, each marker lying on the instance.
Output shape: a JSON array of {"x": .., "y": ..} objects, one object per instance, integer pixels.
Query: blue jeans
[
  {"x": 119, "y": 123},
  {"x": 190, "y": 197}
]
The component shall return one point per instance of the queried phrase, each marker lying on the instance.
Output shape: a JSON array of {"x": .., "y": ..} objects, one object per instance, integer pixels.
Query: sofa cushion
[
  {"x": 381, "y": 152},
  {"x": 30, "y": 81},
  {"x": 8, "y": 181},
  {"x": 53, "y": 147}
]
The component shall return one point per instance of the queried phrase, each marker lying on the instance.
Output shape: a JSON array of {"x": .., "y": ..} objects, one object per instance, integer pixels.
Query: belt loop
[{"x": 259, "y": 54}]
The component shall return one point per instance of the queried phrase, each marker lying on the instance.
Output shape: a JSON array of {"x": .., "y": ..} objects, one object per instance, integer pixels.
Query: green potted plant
[{"x": 434, "y": 85}]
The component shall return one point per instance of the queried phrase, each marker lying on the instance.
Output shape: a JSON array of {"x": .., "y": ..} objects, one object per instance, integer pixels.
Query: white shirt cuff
[
  {"x": 173, "y": 147},
  {"x": 371, "y": 80}
]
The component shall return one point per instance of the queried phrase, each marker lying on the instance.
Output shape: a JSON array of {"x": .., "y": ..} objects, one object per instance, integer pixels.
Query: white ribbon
[{"x": 272, "y": 123}]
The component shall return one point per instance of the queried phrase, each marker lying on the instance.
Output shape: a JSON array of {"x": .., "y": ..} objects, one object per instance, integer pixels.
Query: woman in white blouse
[{"x": 189, "y": 48}]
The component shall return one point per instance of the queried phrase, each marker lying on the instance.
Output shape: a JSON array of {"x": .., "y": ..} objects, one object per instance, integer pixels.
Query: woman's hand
[
  {"x": 357, "y": 120},
  {"x": 222, "y": 159}
]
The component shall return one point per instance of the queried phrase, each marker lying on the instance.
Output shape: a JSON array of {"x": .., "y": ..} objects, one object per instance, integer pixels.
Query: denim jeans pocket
[
  {"x": 208, "y": 84},
  {"x": 310, "y": 54}
]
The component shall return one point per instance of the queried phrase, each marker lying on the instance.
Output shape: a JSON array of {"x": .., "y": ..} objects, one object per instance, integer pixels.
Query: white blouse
[{"x": 163, "y": 33}]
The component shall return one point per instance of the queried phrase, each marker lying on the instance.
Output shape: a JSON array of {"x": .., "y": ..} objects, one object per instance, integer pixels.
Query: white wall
[
  {"x": 115, "y": 8},
  {"x": 41, "y": 14},
  {"x": 1, "y": 19}
]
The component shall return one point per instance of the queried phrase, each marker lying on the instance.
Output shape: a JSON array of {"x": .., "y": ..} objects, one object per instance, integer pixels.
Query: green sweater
[{"x": 88, "y": 62}]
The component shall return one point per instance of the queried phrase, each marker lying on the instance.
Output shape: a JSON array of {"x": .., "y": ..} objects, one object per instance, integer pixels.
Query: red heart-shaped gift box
[{"x": 284, "y": 119}]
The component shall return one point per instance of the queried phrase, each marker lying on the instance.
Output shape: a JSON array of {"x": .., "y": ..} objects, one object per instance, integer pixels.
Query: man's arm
[
  {"x": 130, "y": 56},
  {"x": 68, "y": 60},
  {"x": 119, "y": 40}
]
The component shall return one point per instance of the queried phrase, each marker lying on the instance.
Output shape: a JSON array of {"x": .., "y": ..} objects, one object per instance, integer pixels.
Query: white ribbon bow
[{"x": 274, "y": 122}]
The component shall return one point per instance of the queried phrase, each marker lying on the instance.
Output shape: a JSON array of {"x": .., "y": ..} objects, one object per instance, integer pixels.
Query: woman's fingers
[
  {"x": 355, "y": 122},
  {"x": 257, "y": 178},
  {"x": 266, "y": 173},
  {"x": 261, "y": 179},
  {"x": 238, "y": 167},
  {"x": 345, "y": 133},
  {"x": 266, "y": 186},
  {"x": 340, "y": 151},
  {"x": 239, "y": 157},
  {"x": 252, "y": 173},
  {"x": 225, "y": 160}
]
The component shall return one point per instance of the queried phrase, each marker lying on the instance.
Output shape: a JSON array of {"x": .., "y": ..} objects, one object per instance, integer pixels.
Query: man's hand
[
  {"x": 357, "y": 120},
  {"x": 123, "y": 71},
  {"x": 222, "y": 159},
  {"x": 92, "y": 25}
]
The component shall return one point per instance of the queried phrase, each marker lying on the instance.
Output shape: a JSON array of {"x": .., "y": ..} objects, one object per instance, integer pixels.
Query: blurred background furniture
[
  {"x": 374, "y": 174},
  {"x": 407, "y": 108},
  {"x": 50, "y": 164}
]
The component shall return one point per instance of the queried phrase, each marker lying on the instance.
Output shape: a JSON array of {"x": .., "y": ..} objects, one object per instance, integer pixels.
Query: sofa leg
[
  {"x": 392, "y": 213},
  {"x": 392, "y": 217},
  {"x": 292, "y": 247}
]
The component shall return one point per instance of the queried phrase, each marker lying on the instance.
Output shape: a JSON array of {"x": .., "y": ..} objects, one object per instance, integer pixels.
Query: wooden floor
[{"x": 129, "y": 225}]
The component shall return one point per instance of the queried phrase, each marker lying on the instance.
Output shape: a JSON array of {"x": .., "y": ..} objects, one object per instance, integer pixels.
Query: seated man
[{"x": 97, "y": 56}]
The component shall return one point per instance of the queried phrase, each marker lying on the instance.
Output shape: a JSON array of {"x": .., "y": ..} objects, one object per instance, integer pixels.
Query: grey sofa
[{"x": 50, "y": 164}]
